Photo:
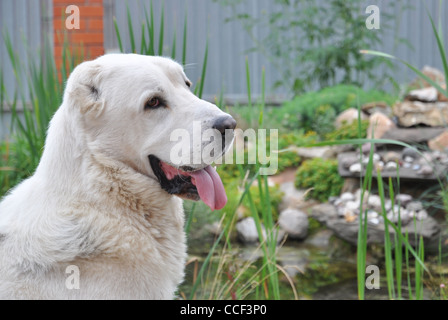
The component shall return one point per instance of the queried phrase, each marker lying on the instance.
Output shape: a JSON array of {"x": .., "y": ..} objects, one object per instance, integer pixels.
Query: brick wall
[{"x": 86, "y": 42}]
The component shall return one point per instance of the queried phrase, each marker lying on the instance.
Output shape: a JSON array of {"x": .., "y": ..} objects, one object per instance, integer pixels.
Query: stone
[
  {"x": 347, "y": 196},
  {"x": 410, "y": 152},
  {"x": 432, "y": 73},
  {"x": 347, "y": 117},
  {"x": 352, "y": 206},
  {"x": 412, "y": 113},
  {"x": 380, "y": 124},
  {"x": 403, "y": 199},
  {"x": 292, "y": 197},
  {"x": 408, "y": 159},
  {"x": 324, "y": 212},
  {"x": 428, "y": 94},
  {"x": 215, "y": 228},
  {"x": 390, "y": 166},
  {"x": 374, "y": 201},
  {"x": 391, "y": 156},
  {"x": 439, "y": 143},
  {"x": 414, "y": 206},
  {"x": 347, "y": 162},
  {"x": 422, "y": 214},
  {"x": 441, "y": 96},
  {"x": 372, "y": 107},
  {"x": 413, "y": 135},
  {"x": 425, "y": 171},
  {"x": 367, "y": 147},
  {"x": 294, "y": 222},
  {"x": 355, "y": 168},
  {"x": 247, "y": 231},
  {"x": 416, "y": 167},
  {"x": 315, "y": 152},
  {"x": 358, "y": 196}
]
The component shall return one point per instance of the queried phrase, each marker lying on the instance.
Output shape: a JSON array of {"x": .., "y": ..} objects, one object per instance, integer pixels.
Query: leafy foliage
[
  {"x": 348, "y": 131},
  {"x": 308, "y": 111},
  {"x": 320, "y": 175}
]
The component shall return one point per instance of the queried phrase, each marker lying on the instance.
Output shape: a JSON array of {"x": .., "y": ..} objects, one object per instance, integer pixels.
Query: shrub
[
  {"x": 348, "y": 131},
  {"x": 301, "y": 112},
  {"x": 322, "y": 176}
]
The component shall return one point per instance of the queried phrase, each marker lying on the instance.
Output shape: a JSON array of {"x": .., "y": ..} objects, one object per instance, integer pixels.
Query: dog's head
[{"x": 140, "y": 110}]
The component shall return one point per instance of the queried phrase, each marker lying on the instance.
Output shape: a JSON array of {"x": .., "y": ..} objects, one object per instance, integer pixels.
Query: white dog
[{"x": 101, "y": 217}]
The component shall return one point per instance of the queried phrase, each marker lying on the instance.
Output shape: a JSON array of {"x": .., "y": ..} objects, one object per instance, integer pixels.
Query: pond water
[{"x": 322, "y": 268}]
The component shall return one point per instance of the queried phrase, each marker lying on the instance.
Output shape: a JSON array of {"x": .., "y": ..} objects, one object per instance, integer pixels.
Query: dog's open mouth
[{"x": 204, "y": 184}]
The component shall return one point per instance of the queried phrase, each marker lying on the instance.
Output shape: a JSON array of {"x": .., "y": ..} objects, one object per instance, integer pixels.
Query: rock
[
  {"x": 422, "y": 214},
  {"x": 347, "y": 196},
  {"x": 408, "y": 159},
  {"x": 347, "y": 117},
  {"x": 367, "y": 147},
  {"x": 410, "y": 152},
  {"x": 403, "y": 199},
  {"x": 247, "y": 231},
  {"x": 315, "y": 152},
  {"x": 414, "y": 206},
  {"x": 439, "y": 143},
  {"x": 294, "y": 223},
  {"x": 347, "y": 162},
  {"x": 352, "y": 206},
  {"x": 413, "y": 135},
  {"x": 392, "y": 156},
  {"x": 390, "y": 166},
  {"x": 425, "y": 95},
  {"x": 374, "y": 201},
  {"x": 433, "y": 74},
  {"x": 355, "y": 168},
  {"x": 380, "y": 124},
  {"x": 425, "y": 171},
  {"x": 411, "y": 113},
  {"x": 292, "y": 197},
  {"x": 416, "y": 167},
  {"x": 215, "y": 228},
  {"x": 441, "y": 96},
  {"x": 358, "y": 196},
  {"x": 324, "y": 212},
  {"x": 372, "y": 107}
]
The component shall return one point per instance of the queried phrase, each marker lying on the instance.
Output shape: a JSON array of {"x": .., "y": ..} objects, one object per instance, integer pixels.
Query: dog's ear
[{"x": 83, "y": 89}]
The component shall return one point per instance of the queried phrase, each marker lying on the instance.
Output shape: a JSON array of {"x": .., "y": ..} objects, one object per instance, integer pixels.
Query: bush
[
  {"x": 301, "y": 112},
  {"x": 322, "y": 176},
  {"x": 348, "y": 131}
]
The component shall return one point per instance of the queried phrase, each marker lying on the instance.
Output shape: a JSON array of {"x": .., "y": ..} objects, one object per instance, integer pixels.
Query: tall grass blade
[
  {"x": 131, "y": 29},
  {"x": 117, "y": 32},
  {"x": 184, "y": 40},
  {"x": 161, "y": 30},
  {"x": 204, "y": 70}
]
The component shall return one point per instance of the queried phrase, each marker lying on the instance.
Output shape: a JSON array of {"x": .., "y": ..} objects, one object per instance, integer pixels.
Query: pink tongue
[{"x": 210, "y": 187}]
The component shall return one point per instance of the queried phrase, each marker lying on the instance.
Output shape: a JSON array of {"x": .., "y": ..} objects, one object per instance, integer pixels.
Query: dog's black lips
[{"x": 179, "y": 185}]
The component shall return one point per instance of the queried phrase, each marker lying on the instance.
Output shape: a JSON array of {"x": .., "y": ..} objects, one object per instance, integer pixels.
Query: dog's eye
[{"x": 154, "y": 103}]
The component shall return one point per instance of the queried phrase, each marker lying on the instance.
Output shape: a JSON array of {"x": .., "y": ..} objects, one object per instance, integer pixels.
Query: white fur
[{"x": 93, "y": 201}]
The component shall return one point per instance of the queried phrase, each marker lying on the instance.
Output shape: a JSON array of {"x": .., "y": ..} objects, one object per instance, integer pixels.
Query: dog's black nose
[{"x": 223, "y": 123}]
